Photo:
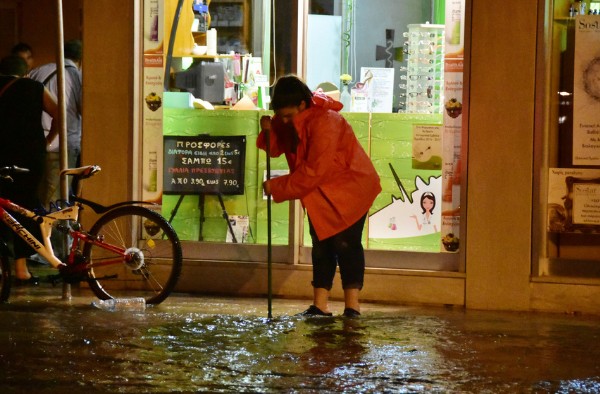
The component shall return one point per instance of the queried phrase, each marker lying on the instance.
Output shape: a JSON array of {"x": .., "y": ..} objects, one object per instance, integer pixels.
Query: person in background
[
  {"x": 23, "y": 143},
  {"x": 334, "y": 179},
  {"x": 50, "y": 190},
  {"x": 24, "y": 51}
]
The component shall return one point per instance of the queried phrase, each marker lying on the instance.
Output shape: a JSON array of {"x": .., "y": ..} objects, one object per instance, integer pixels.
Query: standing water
[{"x": 199, "y": 344}]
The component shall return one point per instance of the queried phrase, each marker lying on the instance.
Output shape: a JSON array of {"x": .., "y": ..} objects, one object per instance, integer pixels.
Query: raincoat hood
[{"x": 320, "y": 99}]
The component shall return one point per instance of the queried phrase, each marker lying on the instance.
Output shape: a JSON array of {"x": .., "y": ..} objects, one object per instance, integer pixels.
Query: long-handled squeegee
[{"x": 269, "y": 246}]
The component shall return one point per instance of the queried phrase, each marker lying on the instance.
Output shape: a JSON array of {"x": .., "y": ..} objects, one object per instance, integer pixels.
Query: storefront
[
  {"x": 485, "y": 155},
  {"x": 397, "y": 107}
]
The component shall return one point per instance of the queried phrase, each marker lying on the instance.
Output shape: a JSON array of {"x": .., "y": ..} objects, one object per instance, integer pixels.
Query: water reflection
[
  {"x": 216, "y": 345},
  {"x": 333, "y": 344}
]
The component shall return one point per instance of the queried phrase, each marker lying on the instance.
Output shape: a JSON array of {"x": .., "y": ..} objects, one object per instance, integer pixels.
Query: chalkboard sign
[{"x": 204, "y": 164}]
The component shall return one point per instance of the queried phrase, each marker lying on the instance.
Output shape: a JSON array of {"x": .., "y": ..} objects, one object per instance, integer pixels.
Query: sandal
[
  {"x": 32, "y": 281},
  {"x": 314, "y": 311}
]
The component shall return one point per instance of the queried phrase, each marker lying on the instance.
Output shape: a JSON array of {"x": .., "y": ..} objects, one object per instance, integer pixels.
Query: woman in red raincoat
[{"x": 334, "y": 179}]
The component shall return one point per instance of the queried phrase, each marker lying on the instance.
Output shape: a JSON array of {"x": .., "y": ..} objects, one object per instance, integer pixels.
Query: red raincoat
[{"x": 329, "y": 172}]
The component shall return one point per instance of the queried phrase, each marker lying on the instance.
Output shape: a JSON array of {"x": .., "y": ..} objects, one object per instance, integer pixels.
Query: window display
[
  {"x": 571, "y": 167},
  {"x": 404, "y": 101}
]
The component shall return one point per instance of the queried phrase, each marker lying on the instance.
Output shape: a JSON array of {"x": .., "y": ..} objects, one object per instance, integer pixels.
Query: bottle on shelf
[
  {"x": 200, "y": 16},
  {"x": 345, "y": 95},
  {"x": 154, "y": 19},
  {"x": 346, "y": 98},
  {"x": 153, "y": 167},
  {"x": 137, "y": 304}
]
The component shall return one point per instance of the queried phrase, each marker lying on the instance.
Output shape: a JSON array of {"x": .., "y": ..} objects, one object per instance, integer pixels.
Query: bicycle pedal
[
  {"x": 55, "y": 279},
  {"x": 74, "y": 278},
  {"x": 70, "y": 275},
  {"x": 115, "y": 276}
]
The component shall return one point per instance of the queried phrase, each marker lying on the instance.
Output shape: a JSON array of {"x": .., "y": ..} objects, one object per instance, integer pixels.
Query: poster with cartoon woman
[
  {"x": 409, "y": 215},
  {"x": 426, "y": 223}
]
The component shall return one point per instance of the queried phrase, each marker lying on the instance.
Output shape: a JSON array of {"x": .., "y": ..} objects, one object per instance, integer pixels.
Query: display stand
[
  {"x": 201, "y": 201},
  {"x": 424, "y": 78}
]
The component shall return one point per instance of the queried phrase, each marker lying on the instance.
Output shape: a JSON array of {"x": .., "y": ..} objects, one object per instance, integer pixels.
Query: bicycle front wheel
[{"x": 138, "y": 255}]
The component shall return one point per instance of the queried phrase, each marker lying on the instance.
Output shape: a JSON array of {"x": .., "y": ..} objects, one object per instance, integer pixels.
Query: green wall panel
[
  {"x": 190, "y": 122},
  {"x": 391, "y": 146},
  {"x": 386, "y": 137}
]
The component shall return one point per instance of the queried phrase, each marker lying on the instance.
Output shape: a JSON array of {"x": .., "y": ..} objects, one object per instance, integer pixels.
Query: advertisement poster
[
  {"x": 375, "y": 91},
  {"x": 153, "y": 26},
  {"x": 455, "y": 26},
  {"x": 407, "y": 214},
  {"x": 240, "y": 226},
  {"x": 452, "y": 134},
  {"x": 586, "y": 91},
  {"x": 573, "y": 200},
  {"x": 427, "y": 147},
  {"x": 152, "y": 112}
]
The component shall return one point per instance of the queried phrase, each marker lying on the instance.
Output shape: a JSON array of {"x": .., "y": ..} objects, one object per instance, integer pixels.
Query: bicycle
[{"x": 115, "y": 256}]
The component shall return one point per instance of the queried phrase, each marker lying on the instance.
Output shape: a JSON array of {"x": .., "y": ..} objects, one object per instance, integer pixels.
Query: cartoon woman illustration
[{"x": 427, "y": 205}]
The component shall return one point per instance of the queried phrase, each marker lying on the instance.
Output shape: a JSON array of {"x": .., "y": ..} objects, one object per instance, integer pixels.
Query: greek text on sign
[
  {"x": 204, "y": 164},
  {"x": 586, "y": 203}
]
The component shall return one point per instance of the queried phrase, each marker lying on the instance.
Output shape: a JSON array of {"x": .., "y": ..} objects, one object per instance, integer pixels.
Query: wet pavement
[{"x": 192, "y": 344}]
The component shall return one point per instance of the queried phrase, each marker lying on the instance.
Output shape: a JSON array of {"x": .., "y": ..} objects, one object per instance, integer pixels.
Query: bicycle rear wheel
[
  {"x": 152, "y": 262},
  {"x": 5, "y": 277}
]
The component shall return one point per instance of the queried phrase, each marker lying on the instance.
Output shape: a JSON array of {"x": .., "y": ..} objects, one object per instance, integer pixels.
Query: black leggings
[{"x": 345, "y": 248}]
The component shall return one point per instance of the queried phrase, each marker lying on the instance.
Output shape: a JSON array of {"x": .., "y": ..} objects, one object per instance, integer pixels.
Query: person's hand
[
  {"x": 265, "y": 123},
  {"x": 267, "y": 187},
  {"x": 50, "y": 138}
]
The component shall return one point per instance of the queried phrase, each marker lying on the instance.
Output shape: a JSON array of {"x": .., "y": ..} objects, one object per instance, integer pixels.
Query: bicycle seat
[
  {"x": 81, "y": 172},
  {"x": 10, "y": 170}
]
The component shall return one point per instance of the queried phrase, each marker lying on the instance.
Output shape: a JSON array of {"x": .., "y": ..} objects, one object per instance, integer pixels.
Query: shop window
[
  {"x": 400, "y": 78},
  {"x": 570, "y": 219},
  {"x": 396, "y": 66}
]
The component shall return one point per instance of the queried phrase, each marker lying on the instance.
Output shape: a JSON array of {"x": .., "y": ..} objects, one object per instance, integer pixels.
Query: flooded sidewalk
[{"x": 194, "y": 344}]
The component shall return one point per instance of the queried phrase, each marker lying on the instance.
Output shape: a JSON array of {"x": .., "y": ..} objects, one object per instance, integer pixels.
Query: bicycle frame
[{"x": 46, "y": 223}]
